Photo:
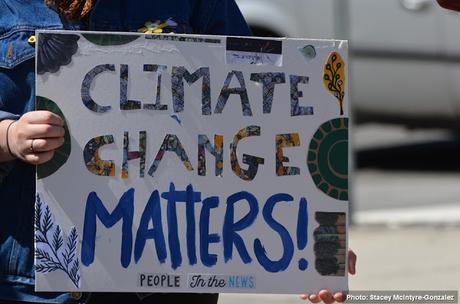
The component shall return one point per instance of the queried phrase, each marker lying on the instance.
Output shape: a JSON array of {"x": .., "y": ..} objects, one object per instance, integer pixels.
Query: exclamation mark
[{"x": 302, "y": 231}]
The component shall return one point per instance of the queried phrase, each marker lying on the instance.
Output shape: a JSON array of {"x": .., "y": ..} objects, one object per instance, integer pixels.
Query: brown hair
[{"x": 71, "y": 9}]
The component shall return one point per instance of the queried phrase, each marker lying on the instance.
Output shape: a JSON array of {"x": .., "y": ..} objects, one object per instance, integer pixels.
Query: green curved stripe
[
  {"x": 62, "y": 154},
  {"x": 110, "y": 39},
  {"x": 332, "y": 164}
]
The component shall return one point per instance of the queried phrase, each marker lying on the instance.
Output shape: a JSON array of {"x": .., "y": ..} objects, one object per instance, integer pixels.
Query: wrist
[{"x": 6, "y": 149}]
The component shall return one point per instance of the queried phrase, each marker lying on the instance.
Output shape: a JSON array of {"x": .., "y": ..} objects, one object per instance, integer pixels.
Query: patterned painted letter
[
  {"x": 253, "y": 162},
  {"x": 86, "y": 86},
  {"x": 126, "y": 104},
  {"x": 297, "y": 110},
  {"x": 159, "y": 69},
  {"x": 92, "y": 159},
  {"x": 286, "y": 140},
  {"x": 177, "y": 79},
  {"x": 171, "y": 143},
  {"x": 217, "y": 151},
  {"x": 226, "y": 92},
  {"x": 130, "y": 155},
  {"x": 269, "y": 80}
]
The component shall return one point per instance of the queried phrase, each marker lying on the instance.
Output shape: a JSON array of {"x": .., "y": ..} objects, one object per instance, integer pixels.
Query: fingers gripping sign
[
  {"x": 325, "y": 296},
  {"x": 35, "y": 136}
]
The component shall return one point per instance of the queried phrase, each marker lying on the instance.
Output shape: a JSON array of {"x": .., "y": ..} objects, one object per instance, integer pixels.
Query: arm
[
  {"x": 32, "y": 138},
  {"x": 5, "y": 119},
  {"x": 325, "y": 295},
  {"x": 4, "y": 153},
  {"x": 450, "y": 4}
]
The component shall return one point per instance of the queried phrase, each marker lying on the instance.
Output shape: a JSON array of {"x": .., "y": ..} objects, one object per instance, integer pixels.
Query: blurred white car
[{"x": 404, "y": 54}]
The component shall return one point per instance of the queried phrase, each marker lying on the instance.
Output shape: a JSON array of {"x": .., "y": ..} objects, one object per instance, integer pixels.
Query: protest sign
[{"x": 193, "y": 164}]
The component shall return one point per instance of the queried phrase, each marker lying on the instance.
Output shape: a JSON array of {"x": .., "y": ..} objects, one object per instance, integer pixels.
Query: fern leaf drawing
[
  {"x": 334, "y": 78},
  {"x": 53, "y": 251}
]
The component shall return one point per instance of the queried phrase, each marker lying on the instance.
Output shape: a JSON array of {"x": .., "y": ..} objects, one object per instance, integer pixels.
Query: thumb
[{"x": 352, "y": 262}]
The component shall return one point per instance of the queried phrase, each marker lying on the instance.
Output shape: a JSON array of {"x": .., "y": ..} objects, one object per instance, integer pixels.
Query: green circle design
[
  {"x": 110, "y": 39},
  {"x": 60, "y": 155},
  {"x": 309, "y": 52},
  {"x": 328, "y": 158}
]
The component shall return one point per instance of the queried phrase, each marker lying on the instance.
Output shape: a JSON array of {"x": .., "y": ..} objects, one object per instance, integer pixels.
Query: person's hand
[
  {"x": 35, "y": 136},
  {"x": 325, "y": 295},
  {"x": 450, "y": 4}
]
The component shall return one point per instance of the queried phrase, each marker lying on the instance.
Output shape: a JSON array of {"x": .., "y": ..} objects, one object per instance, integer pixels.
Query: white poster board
[{"x": 193, "y": 164}]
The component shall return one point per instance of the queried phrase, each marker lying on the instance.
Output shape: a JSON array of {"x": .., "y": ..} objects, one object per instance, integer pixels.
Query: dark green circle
[
  {"x": 61, "y": 155},
  {"x": 328, "y": 158},
  {"x": 309, "y": 51},
  {"x": 328, "y": 164},
  {"x": 340, "y": 148},
  {"x": 109, "y": 39}
]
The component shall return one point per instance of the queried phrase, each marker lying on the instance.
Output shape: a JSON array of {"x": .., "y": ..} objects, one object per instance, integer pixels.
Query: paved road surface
[{"x": 403, "y": 175}]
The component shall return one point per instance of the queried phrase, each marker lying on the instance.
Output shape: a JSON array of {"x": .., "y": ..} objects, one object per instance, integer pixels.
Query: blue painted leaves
[{"x": 54, "y": 252}]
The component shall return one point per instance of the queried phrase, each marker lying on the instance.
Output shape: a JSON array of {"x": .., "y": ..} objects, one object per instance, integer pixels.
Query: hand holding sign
[
  {"x": 35, "y": 136},
  {"x": 325, "y": 295}
]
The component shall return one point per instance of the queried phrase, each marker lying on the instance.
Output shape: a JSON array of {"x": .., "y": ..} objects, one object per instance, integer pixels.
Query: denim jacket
[{"x": 18, "y": 21}]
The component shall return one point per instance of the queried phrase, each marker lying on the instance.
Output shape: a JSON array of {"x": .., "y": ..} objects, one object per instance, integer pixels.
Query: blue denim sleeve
[
  {"x": 7, "y": 115},
  {"x": 220, "y": 17}
]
